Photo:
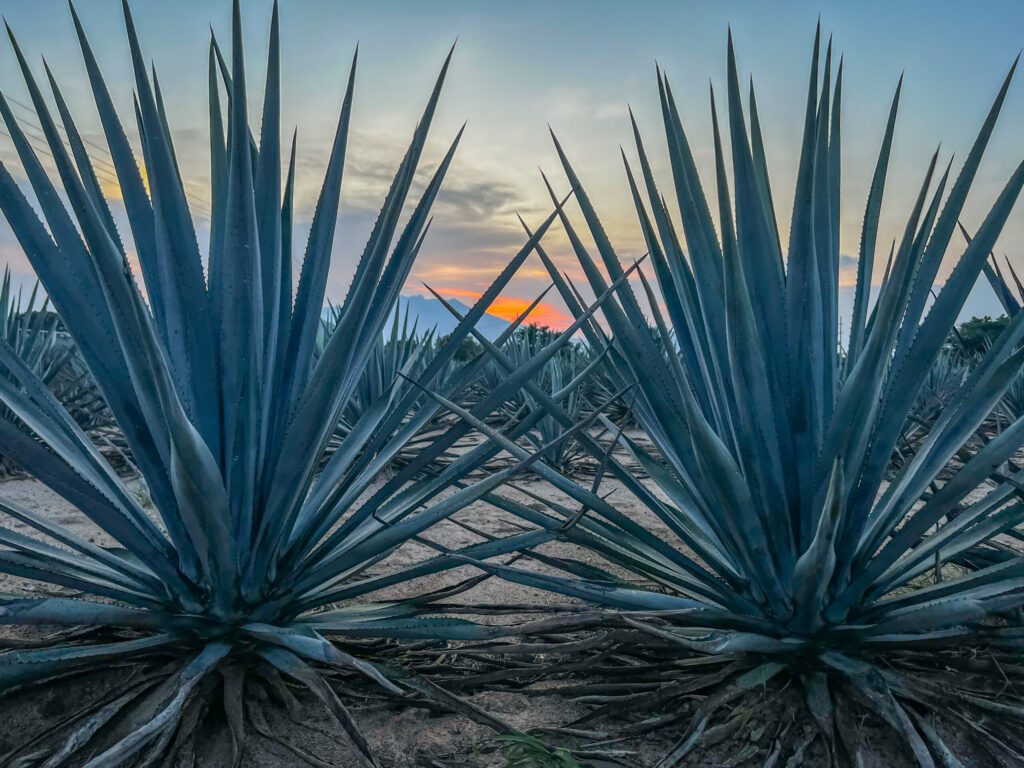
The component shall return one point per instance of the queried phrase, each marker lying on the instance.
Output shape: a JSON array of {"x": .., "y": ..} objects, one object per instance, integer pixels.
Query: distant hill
[{"x": 430, "y": 313}]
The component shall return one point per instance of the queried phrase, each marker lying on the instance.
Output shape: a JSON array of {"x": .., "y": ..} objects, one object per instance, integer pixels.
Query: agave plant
[
  {"x": 36, "y": 335},
  {"x": 783, "y": 550},
  {"x": 568, "y": 372},
  {"x": 78, "y": 392},
  {"x": 393, "y": 364},
  {"x": 255, "y": 552},
  {"x": 519, "y": 349},
  {"x": 948, "y": 373},
  {"x": 33, "y": 332},
  {"x": 404, "y": 351},
  {"x": 565, "y": 379}
]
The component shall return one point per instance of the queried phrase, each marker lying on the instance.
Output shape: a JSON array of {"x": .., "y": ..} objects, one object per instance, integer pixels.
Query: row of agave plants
[
  {"x": 403, "y": 353},
  {"x": 38, "y": 337},
  {"x": 781, "y": 547}
]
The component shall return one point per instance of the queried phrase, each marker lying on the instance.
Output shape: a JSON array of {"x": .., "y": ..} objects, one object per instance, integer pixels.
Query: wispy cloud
[{"x": 510, "y": 307}]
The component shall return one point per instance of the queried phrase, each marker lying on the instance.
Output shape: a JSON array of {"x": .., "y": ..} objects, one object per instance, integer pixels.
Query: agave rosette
[
  {"x": 567, "y": 378},
  {"x": 783, "y": 543},
  {"x": 257, "y": 550}
]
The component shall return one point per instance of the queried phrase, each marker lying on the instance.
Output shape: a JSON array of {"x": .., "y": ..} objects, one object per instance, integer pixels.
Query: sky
[{"x": 573, "y": 65}]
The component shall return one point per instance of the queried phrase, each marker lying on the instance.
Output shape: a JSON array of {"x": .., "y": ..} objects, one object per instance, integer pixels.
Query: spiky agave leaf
[
  {"x": 517, "y": 347},
  {"x": 35, "y": 334},
  {"x": 566, "y": 378},
  {"x": 227, "y": 407},
  {"x": 402, "y": 354},
  {"x": 564, "y": 372},
  {"x": 999, "y": 278},
  {"x": 941, "y": 382},
  {"x": 783, "y": 542}
]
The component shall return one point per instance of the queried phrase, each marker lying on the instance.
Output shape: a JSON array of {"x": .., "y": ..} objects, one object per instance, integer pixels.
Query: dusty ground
[{"x": 402, "y": 738}]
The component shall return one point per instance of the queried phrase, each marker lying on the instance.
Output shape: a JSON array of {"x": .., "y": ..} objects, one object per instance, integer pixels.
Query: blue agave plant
[
  {"x": 785, "y": 548},
  {"x": 259, "y": 548}
]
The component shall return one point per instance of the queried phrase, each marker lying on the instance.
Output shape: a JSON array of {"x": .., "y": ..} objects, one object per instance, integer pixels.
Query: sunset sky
[{"x": 575, "y": 65}]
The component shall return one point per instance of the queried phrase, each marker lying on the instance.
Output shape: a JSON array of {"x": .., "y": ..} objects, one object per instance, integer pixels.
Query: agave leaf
[
  {"x": 428, "y": 567},
  {"x": 309, "y": 297},
  {"x": 869, "y": 683},
  {"x": 186, "y": 681},
  {"x": 69, "y": 612},
  {"x": 18, "y": 667},
  {"x": 179, "y": 270},
  {"x": 133, "y": 189},
  {"x": 242, "y": 314},
  {"x": 294, "y": 667},
  {"x": 309, "y": 644},
  {"x": 869, "y": 234}
]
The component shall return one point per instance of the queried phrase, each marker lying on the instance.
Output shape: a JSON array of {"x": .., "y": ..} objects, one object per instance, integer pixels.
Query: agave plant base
[
  {"x": 196, "y": 702},
  {"x": 650, "y": 695}
]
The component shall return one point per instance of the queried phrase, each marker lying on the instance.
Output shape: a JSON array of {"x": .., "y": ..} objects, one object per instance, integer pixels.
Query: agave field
[{"x": 709, "y": 526}]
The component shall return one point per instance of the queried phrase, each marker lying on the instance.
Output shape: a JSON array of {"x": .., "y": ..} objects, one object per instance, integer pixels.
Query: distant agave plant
[
  {"x": 403, "y": 355},
  {"x": 37, "y": 338},
  {"x": 76, "y": 390},
  {"x": 519, "y": 350},
  {"x": 255, "y": 552},
  {"x": 782, "y": 551},
  {"x": 395, "y": 362},
  {"x": 566, "y": 378},
  {"x": 32, "y": 331},
  {"x": 941, "y": 382},
  {"x": 569, "y": 373},
  {"x": 1011, "y": 407}
]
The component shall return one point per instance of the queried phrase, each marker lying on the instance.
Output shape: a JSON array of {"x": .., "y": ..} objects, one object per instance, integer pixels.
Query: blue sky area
[{"x": 574, "y": 64}]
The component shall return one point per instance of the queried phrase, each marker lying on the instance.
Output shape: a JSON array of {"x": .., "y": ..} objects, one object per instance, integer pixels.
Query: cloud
[
  {"x": 847, "y": 270},
  {"x": 567, "y": 103},
  {"x": 473, "y": 235},
  {"x": 469, "y": 200},
  {"x": 510, "y": 307}
]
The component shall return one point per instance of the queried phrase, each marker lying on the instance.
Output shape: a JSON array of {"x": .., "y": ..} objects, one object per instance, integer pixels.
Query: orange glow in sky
[{"x": 510, "y": 307}]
